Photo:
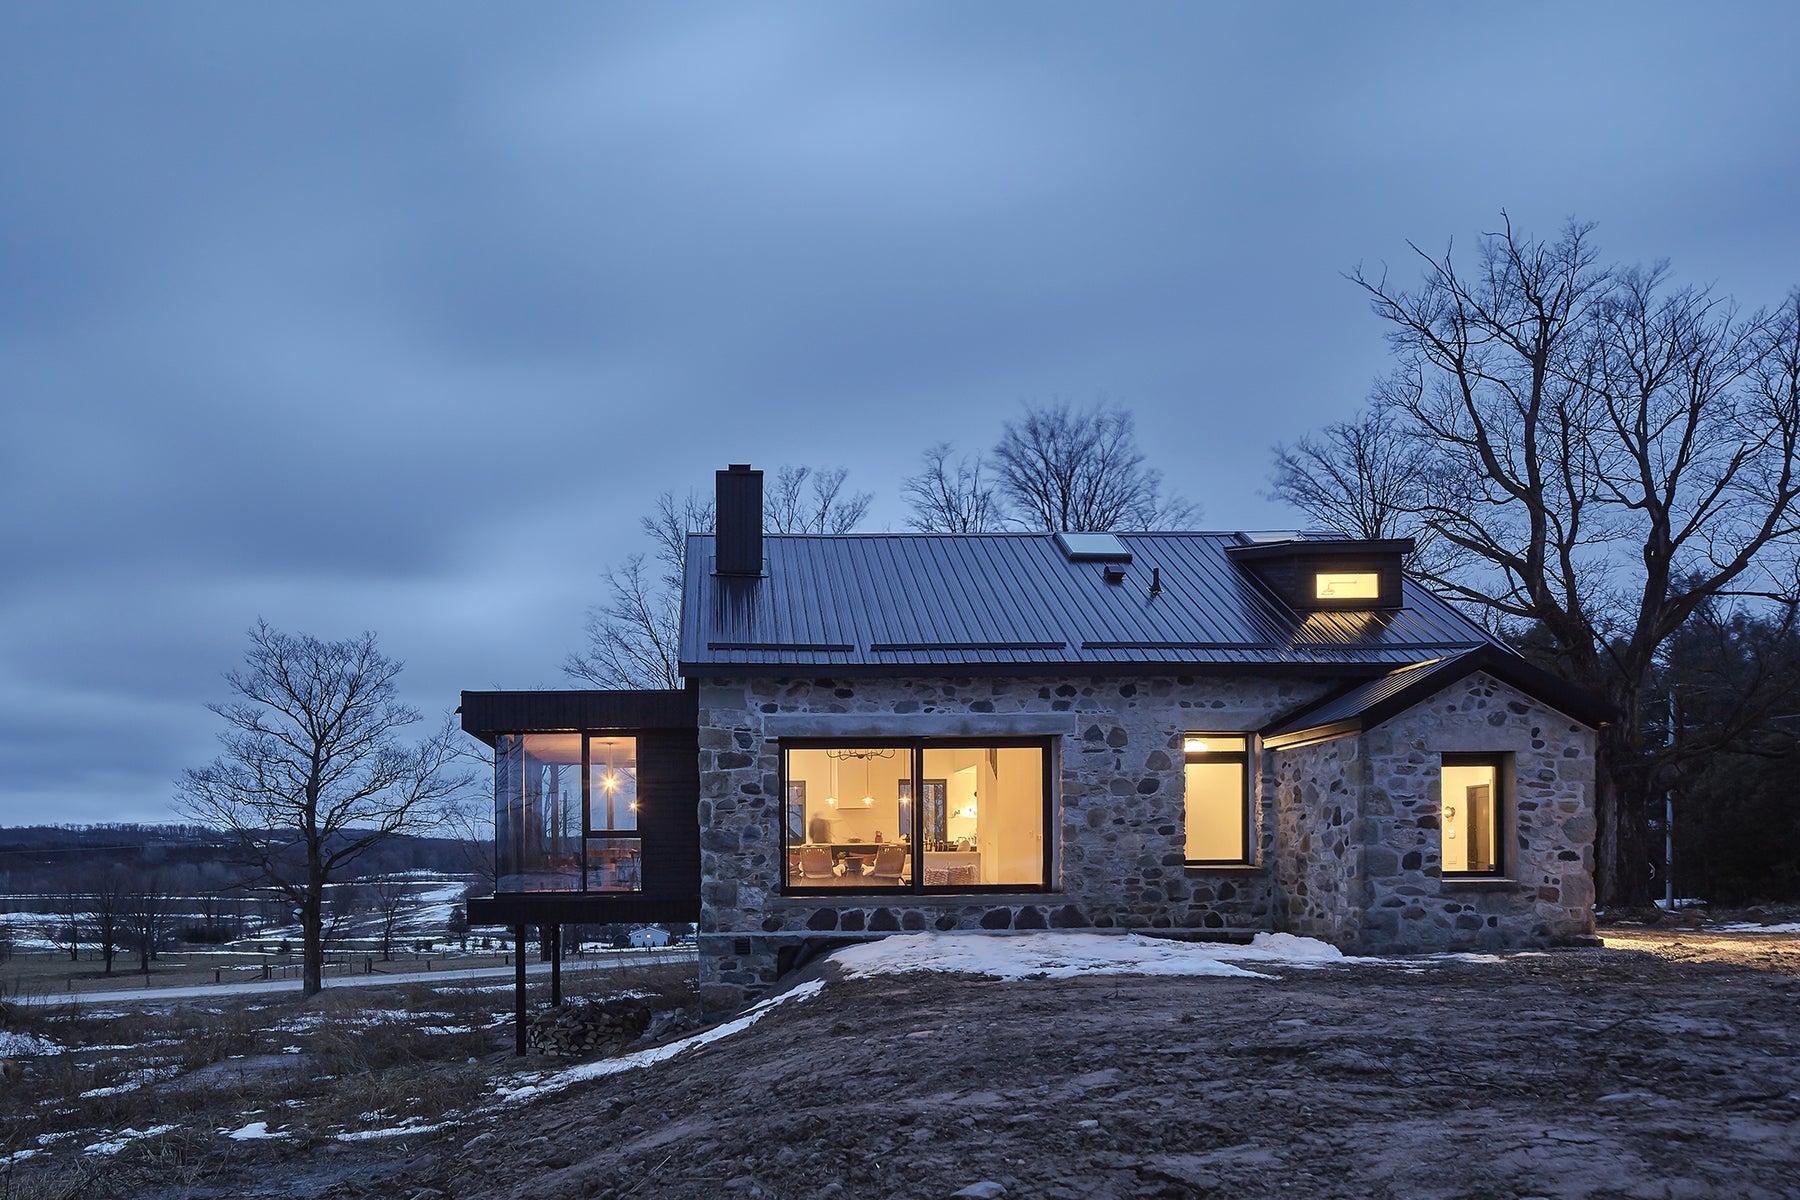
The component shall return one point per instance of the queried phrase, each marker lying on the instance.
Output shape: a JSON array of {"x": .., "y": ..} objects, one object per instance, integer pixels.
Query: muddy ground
[{"x": 1665, "y": 1066}]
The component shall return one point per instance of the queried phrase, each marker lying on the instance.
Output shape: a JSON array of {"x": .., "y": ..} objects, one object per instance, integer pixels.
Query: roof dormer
[{"x": 1328, "y": 573}]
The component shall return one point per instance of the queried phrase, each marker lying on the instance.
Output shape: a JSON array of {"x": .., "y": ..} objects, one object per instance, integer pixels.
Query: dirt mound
[{"x": 1589, "y": 1073}]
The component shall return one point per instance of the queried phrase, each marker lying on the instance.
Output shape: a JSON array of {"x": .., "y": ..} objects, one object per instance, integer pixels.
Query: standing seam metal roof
[{"x": 994, "y": 600}]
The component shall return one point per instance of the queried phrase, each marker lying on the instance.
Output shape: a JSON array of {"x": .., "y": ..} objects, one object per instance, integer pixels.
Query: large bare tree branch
[{"x": 1602, "y": 453}]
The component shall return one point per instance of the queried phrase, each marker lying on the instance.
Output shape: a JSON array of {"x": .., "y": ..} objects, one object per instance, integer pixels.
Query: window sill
[
  {"x": 1478, "y": 883},
  {"x": 1224, "y": 869},
  {"x": 854, "y": 899}
]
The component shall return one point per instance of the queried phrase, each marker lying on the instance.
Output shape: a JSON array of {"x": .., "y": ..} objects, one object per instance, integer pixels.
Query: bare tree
[
  {"x": 1069, "y": 469},
  {"x": 69, "y": 907},
  {"x": 314, "y": 772},
  {"x": 148, "y": 907},
  {"x": 393, "y": 898},
  {"x": 1356, "y": 477},
  {"x": 791, "y": 506},
  {"x": 634, "y": 635},
  {"x": 1608, "y": 453},
  {"x": 952, "y": 496},
  {"x": 106, "y": 913}
]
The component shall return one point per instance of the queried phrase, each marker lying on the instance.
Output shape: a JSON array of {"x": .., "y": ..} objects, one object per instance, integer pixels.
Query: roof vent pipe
[
  {"x": 1156, "y": 581},
  {"x": 738, "y": 507}
]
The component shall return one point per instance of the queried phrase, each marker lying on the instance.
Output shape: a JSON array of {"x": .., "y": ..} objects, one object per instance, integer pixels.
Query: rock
[{"x": 987, "y": 1189}]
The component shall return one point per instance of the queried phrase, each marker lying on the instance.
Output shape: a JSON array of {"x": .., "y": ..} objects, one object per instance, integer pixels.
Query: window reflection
[{"x": 545, "y": 838}]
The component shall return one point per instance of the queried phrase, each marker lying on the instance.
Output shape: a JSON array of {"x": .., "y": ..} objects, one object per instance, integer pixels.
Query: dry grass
[{"x": 347, "y": 1059}]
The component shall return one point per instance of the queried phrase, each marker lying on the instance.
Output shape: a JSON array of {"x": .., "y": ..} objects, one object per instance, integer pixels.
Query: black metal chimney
[{"x": 738, "y": 547}]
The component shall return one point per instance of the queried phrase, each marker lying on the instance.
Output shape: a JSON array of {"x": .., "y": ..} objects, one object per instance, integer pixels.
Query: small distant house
[
  {"x": 1193, "y": 734},
  {"x": 649, "y": 936}
]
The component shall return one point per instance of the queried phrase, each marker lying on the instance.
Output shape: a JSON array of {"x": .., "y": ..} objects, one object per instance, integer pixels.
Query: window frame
[
  {"x": 590, "y": 834},
  {"x": 1241, "y": 757},
  {"x": 511, "y": 808},
  {"x": 1501, "y": 805},
  {"x": 916, "y": 748}
]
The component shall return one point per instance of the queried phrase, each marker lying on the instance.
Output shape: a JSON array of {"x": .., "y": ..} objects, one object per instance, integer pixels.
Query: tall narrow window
[
  {"x": 1473, "y": 802},
  {"x": 1218, "y": 797},
  {"x": 613, "y": 858},
  {"x": 537, "y": 812}
]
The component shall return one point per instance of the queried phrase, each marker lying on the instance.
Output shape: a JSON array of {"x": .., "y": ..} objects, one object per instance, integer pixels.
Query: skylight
[{"x": 1092, "y": 547}]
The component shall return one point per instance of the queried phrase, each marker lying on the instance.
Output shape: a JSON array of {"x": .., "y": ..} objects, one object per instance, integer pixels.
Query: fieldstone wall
[
  {"x": 1118, "y": 826},
  {"x": 1317, "y": 861},
  {"x": 1346, "y": 831},
  {"x": 1547, "y": 895}
]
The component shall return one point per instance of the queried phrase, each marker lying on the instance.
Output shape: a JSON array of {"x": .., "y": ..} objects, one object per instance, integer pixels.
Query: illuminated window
[
  {"x": 1472, "y": 805},
  {"x": 1218, "y": 797},
  {"x": 553, "y": 835},
  {"x": 918, "y": 815},
  {"x": 1347, "y": 585}
]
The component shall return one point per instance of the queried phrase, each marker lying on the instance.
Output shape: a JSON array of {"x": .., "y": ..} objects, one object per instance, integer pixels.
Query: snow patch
[
  {"x": 1014, "y": 956},
  {"x": 133, "y": 1082},
  {"x": 410, "y": 1126},
  {"x": 17, "y": 1045},
  {"x": 124, "y": 1138},
  {"x": 255, "y": 1131},
  {"x": 532, "y": 1087},
  {"x": 1753, "y": 927}
]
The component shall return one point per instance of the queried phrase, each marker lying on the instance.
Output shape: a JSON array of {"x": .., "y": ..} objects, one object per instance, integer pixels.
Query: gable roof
[
  {"x": 1015, "y": 603},
  {"x": 1366, "y": 705}
]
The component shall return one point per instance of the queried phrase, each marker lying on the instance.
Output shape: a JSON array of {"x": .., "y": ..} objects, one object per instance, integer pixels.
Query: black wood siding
[{"x": 668, "y": 750}]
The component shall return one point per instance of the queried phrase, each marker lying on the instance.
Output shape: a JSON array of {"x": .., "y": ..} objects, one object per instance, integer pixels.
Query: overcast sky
[{"x": 396, "y": 317}]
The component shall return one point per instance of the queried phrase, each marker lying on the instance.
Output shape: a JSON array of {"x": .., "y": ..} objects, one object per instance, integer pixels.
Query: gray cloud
[{"x": 397, "y": 319}]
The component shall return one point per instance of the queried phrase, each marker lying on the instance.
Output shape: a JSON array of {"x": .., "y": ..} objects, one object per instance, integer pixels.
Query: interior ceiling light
[{"x": 1194, "y": 746}]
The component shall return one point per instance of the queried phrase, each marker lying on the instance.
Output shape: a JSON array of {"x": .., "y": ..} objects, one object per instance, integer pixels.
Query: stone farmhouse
[{"x": 1196, "y": 735}]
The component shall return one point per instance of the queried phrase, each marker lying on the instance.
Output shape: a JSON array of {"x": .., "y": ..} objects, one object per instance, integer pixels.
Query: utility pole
[{"x": 1669, "y": 818}]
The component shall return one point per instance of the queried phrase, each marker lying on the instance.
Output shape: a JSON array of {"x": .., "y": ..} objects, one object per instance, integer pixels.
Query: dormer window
[
  {"x": 1347, "y": 585},
  {"x": 1328, "y": 573}
]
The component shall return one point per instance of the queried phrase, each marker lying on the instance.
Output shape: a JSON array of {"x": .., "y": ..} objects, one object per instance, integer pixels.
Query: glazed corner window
[
  {"x": 565, "y": 813},
  {"x": 1218, "y": 797},
  {"x": 1347, "y": 585},
  {"x": 1473, "y": 801},
  {"x": 919, "y": 815}
]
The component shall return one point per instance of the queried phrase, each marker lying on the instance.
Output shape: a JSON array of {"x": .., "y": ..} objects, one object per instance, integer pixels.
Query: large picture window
[
  {"x": 918, "y": 815},
  {"x": 1472, "y": 802},
  {"x": 1217, "y": 781},
  {"x": 565, "y": 813}
]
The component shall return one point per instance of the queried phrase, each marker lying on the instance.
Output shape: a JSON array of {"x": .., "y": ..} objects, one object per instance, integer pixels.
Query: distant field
[{"x": 40, "y": 972}]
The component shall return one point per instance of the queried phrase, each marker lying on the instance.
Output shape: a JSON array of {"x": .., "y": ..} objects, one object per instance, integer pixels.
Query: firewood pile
[{"x": 589, "y": 1026}]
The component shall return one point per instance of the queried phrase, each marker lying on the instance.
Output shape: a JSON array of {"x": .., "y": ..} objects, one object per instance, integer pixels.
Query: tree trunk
[
  {"x": 312, "y": 940},
  {"x": 1622, "y": 842}
]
